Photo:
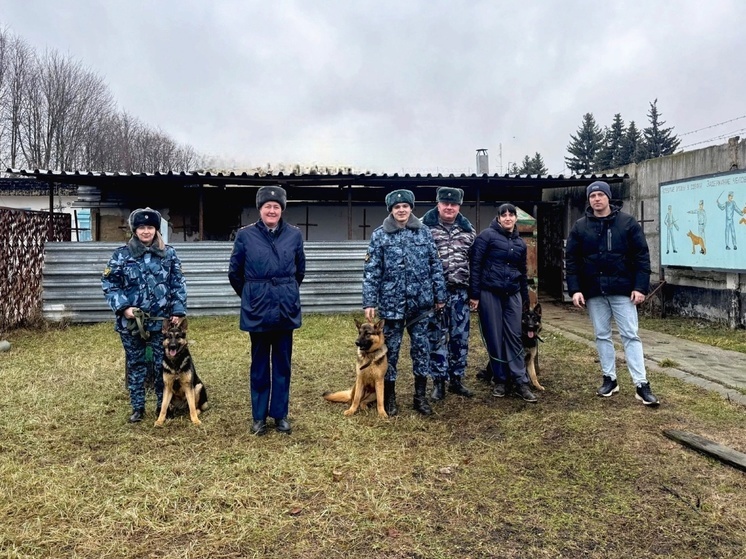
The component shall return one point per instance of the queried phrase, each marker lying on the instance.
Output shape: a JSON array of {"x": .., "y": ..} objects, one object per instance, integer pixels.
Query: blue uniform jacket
[
  {"x": 266, "y": 272},
  {"x": 403, "y": 276},
  {"x": 148, "y": 278}
]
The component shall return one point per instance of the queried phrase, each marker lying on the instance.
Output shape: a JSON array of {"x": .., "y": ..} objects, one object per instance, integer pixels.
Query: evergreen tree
[
  {"x": 657, "y": 140},
  {"x": 610, "y": 155},
  {"x": 631, "y": 149},
  {"x": 584, "y": 146},
  {"x": 525, "y": 168},
  {"x": 538, "y": 167},
  {"x": 532, "y": 166}
]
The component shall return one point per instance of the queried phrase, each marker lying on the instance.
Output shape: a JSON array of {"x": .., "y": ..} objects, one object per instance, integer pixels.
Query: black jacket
[
  {"x": 607, "y": 255},
  {"x": 498, "y": 263}
]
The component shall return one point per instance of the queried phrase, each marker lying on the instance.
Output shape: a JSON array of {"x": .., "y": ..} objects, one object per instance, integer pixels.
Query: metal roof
[{"x": 339, "y": 186}]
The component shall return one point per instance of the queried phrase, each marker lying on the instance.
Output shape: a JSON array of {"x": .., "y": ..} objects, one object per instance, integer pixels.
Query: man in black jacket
[{"x": 608, "y": 269}]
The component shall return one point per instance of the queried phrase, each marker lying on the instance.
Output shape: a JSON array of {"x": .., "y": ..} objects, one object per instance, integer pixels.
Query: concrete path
[{"x": 715, "y": 369}]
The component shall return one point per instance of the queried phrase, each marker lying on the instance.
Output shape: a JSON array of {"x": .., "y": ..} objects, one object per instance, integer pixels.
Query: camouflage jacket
[
  {"x": 453, "y": 243},
  {"x": 148, "y": 278},
  {"x": 403, "y": 276}
]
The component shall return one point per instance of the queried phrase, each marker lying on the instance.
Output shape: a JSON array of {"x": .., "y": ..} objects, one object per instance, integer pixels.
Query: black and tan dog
[
  {"x": 531, "y": 328},
  {"x": 180, "y": 380},
  {"x": 370, "y": 369}
]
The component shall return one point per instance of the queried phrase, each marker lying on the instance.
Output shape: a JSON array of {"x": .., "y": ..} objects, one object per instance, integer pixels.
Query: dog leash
[
  {"x": 521, "y": 354},
  {"x": 432, "y": 312},
  {"x": 139, "y": 322}
]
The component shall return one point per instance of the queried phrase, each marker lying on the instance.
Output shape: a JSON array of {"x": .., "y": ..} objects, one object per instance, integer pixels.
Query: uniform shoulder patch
[
  {"x": 367, "y": 256},
  {"x": 107, "y": 271}
]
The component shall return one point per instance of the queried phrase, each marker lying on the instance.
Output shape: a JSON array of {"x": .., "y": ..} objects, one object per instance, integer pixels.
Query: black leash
[
  {"x": 521, "y": 354},
  {"x": 423, "y": 316}
]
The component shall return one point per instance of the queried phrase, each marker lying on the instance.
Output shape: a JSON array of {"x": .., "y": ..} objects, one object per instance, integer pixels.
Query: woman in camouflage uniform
[
  {"x": 403, "y": 281},
  {"x": 144, "y": 274}
]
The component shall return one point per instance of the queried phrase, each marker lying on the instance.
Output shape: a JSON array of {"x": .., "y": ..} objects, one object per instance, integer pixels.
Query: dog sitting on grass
[
  {"x": 370, "y": 370},
  {"x": 180, "y": 380}
]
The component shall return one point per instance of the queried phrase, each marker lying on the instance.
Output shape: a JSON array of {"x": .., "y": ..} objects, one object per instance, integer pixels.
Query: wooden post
[
  {"x": 349, "y": 212},
  {"x": 713, "y": 449},
  {"x": 201, "y": 213}
]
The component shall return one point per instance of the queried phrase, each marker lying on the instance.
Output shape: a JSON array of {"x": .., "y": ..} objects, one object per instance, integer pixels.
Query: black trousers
[{"x": 500, "y": 318}]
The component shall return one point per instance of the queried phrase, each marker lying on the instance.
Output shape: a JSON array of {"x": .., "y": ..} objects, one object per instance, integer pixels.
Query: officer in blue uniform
[
  {"x": 266, "y": 269},
  {"x": 403, "y": 281},
  {"x": 449, "y": 331},
  {"x": 144, "y": 274}
]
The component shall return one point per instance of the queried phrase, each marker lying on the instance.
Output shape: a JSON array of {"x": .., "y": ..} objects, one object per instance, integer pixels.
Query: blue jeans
[{"x": 601, "y": 310}]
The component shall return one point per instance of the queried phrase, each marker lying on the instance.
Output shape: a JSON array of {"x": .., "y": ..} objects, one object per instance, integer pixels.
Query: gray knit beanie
[{"x": 598, "y": 186}]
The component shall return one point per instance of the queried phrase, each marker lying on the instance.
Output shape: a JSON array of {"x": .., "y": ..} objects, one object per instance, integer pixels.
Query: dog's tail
[{"x": 344, "y": 396}]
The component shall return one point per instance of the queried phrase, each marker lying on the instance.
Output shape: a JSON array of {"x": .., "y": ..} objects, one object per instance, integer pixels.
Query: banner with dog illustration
[{"x": 703, "y": 222}]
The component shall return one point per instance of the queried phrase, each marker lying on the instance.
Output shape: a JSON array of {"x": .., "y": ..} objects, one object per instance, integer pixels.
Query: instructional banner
[{"x": 703, "y": 222}]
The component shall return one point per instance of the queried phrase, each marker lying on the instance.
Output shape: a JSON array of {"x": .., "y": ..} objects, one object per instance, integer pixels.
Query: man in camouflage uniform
[
  {"x": 449, "y": 330},
  {"x": 144, "y": 274},
  {"x": 403, "y": 280}
]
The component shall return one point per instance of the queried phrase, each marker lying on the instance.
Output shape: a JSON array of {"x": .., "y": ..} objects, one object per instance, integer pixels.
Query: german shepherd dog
[
  {"x": 697, "y": 241},
  {"x": 370, "y": 369},
  {"x": 531, "y": 326},
  {"x": 180, "y": 380}
]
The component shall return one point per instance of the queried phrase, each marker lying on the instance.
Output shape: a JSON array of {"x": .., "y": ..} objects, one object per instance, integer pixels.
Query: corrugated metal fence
[{"x": 72, "y": 279}]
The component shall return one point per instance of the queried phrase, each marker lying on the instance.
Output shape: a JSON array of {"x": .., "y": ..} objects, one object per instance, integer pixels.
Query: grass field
[{"x": 574, "y": 476}]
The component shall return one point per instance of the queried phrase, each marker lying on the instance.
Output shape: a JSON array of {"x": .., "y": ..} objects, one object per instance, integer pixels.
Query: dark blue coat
[
  {"x": 498, "y": 263},
  {"x": 266, "y": 272},
  {"x": 607, "y": 256}
]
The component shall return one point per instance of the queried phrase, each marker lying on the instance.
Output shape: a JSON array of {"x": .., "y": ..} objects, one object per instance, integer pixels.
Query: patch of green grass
[
  {"x": 695, "y": 330},
  {"x": 572, "y": 476}
]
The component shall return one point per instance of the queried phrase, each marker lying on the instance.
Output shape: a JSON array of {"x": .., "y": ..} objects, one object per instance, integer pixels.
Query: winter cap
[
  {"x": 399, "y": 197},
  {"x": 144, "y": 216},
  {"x": 448, "y": 194},
  {"x": 271, "y": 194},
  {"x": 598, "y": 186}
]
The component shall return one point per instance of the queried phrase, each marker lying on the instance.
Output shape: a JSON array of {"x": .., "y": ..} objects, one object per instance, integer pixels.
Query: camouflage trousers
[
  {"x": 448, "y": 333},
  {"x": 137, "y": 366},
  {"x": 393, "y": 332}
]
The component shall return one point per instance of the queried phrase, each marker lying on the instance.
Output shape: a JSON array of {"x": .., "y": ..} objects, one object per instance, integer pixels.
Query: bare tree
[{"x": 55, "y": 113}]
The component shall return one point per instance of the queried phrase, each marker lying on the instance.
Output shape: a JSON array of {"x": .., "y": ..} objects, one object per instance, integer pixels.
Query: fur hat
[
  {"x": 449, "y": 194},
  {"x": 401, "y": 196},
  {"x": 271, "y": 194},
  {"x": 144, "y": 216},
  {"x": 598, "y": 186}
]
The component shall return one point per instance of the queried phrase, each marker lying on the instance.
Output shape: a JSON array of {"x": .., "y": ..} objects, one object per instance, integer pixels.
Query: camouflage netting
[{"x": 23, "y": 234}]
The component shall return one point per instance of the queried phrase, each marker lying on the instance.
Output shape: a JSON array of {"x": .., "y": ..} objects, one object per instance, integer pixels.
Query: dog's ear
[
  {"x": 183, "y": 323},
  {"x": 537, "y": 309},
  {"x": 358, "y": 324},
  {"x": 379, "y": 325},
  {"x": 166, "y": 325}
]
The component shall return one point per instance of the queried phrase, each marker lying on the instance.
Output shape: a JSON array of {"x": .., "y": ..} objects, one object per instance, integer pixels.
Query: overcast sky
[{"x": 402, "y": 86}]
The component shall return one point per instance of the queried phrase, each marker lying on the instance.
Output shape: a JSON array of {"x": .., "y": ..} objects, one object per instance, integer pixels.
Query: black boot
[
  {"x": 456, "y": 387},
  {"x": 439, "y": 390},
  {"x": 389, "y": 398},
  {"x": 420, "y": 398},
  {"x": 524, "y": 392},
  {"x": 137, "y": 416}
]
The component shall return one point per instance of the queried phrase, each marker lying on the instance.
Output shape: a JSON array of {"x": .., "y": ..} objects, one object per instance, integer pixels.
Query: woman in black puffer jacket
[{"x": 499, "y": 290}]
